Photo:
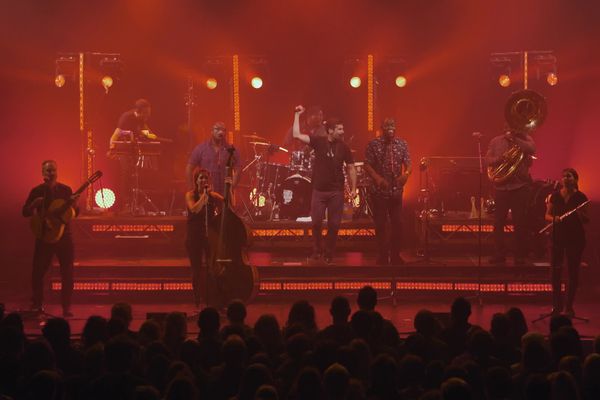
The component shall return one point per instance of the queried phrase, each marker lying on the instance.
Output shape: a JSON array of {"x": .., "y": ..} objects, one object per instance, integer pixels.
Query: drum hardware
[{"x": 143, "y": 155}]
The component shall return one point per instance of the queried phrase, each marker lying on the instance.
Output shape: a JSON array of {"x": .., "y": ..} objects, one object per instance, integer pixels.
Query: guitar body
[{"x": 51, "y": 227}]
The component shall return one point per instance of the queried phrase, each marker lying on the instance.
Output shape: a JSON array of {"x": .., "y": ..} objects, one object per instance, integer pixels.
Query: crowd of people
[{"x": 359, "y": 355}]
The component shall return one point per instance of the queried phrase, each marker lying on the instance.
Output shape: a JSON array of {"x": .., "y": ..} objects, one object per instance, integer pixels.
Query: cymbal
[
  {"x": 255, "y": 137},
  {"x": 260, "y": 143}
]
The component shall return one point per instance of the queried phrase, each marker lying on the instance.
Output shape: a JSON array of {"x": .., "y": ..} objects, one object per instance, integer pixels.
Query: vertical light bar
[
  {"x": 89, "y": 197},
  {"x": 236, "y": 95},
  {"x": 81, "y": 84},
  {"x": 525, "y": 70},
  {"x": 370, "y": 94},
  {"x": 86, "y": 134}
]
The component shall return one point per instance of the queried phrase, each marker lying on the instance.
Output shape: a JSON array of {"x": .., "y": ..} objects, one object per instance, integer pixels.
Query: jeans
[{"x": 333, "y": 202}]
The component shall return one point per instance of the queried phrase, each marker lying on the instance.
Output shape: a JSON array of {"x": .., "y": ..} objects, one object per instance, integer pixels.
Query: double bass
[{"x": 232, "y": 275}]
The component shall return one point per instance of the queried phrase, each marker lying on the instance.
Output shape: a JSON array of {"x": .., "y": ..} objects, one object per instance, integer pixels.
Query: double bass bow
[{"x": 233, "y": 276}]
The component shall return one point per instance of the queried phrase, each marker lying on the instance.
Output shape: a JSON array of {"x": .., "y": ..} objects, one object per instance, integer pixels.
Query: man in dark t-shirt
[
  {"x": 39, "y": 200},
  {"x": 331, "y": 153}
]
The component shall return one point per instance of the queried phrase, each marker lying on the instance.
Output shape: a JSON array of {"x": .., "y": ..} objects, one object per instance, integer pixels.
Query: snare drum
[{"x": 294, "y": 196}]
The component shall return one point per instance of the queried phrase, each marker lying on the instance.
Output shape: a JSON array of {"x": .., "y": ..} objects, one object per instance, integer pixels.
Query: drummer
[{"x": 311, "y": 125}]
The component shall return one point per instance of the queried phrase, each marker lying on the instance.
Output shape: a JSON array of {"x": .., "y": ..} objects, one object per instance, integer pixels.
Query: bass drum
[{"x": 294, "y": 196}]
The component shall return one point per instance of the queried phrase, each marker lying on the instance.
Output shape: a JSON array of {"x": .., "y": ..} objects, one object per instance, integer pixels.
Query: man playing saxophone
[{"x": 509, "y": 158}]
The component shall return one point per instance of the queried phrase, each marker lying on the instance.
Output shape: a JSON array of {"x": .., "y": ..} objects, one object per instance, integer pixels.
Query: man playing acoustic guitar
[{"x": 37, "y": 206}]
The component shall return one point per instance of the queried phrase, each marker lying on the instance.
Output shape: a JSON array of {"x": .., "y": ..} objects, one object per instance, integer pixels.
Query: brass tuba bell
[{"x": 525, "y": 110}]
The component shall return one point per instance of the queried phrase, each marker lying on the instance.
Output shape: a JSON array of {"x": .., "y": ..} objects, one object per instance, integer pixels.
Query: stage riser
[{"x": 172, "y": 283}]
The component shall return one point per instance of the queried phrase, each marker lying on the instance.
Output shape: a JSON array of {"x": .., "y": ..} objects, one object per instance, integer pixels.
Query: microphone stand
[
  {"x": 423, "y": 169},
  {"x": 554, "y": 266}
]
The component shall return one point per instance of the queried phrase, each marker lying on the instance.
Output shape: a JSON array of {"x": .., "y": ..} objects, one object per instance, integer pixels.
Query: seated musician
[
  {"x": 132, "y": 127},
  {"x": 201, "y": 204}
]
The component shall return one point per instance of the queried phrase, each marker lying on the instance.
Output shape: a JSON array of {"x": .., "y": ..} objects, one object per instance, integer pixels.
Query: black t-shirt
[
  {"x": 130, "y": 122},
  {"x": 571, "y": 228},
  {"x": 328, "y": 171},
  {"x": 59, "y": 191}
]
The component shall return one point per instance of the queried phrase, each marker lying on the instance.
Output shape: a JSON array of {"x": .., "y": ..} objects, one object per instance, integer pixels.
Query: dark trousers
[
  {"x": 516, "y": 201},
  {"x": 198, "y": 252},
  {"x": 573, "y": 252},
  {"x": 387, "y": 209},
  {"x": 42, "y": 259},
  {"x": 333, "y": 202}
]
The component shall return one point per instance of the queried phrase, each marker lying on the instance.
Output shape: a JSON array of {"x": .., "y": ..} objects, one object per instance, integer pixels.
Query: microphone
[{"x": 477, "y": 135}]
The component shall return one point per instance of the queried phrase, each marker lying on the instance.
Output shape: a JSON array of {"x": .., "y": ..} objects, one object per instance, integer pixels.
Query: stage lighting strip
[
  {"x": 473, "y": 228},
  {"x": 133, "y": 228},
  {"x": 237, "y": 124},
  {"x": 277, "y": 232},
  {"x": 301, "y": 232},
  {"x": 370, "y": 94},
  {"x": 318, "y": 286}
]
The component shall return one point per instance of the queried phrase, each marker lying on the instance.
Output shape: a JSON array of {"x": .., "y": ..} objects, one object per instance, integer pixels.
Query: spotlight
[
  {"x": 211, "y": 83},
  {"x": 107, "y": 82},
  {"x": 401, "y": 81},
  {"x": 111, "y": 68},
  {"x": 105, "y": 198},
  {"x": 355, "y": 82},
  {"x": 504, "y": 80},
  {"x": 59, "y": 80},
  {"x": 552, "y": 78},
  {"x": 256, "y": 82}
]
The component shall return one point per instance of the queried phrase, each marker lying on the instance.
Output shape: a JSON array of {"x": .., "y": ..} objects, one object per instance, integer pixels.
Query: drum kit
[{"x": 283, "y": 191}]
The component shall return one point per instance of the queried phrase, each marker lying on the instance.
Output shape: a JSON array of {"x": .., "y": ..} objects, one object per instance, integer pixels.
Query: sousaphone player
[{"x": 509, "y": 158}]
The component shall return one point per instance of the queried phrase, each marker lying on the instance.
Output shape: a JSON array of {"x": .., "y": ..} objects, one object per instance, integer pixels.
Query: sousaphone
[{"x": 524, "y": 112}]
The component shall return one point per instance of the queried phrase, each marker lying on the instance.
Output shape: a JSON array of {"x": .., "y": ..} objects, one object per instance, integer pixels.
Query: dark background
[{"x": 451, "y": 92}]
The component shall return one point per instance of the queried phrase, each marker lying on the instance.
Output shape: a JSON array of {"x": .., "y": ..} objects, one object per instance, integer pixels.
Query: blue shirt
[{"x": 214, "y": 161}]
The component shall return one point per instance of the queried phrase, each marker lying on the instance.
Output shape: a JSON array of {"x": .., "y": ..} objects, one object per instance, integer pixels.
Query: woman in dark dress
[
  {"x": 202, "y": 203},
  {"x": 568, "y": 238}
]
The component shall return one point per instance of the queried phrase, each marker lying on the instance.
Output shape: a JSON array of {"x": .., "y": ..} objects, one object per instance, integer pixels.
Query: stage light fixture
[
  {"x": 552, "y": 78},
  {"x": 400, "y": 81},
  {"x": 65, "y": 69},
  {"x": 211, "y": 83},
  {"x": 111, "y": 68},
  {"x": 355, "y": 82},
  {"x": 107, "y": 82},
  {"x": 256, "y": 82},
  {"x": 504, "y": 80},
  {"x": 105, "y": 198},
  {"x": 59, "y": 80}
]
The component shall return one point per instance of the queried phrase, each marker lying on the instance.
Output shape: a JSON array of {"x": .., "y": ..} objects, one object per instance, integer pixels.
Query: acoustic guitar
[{"x": 49, "y": 225}]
